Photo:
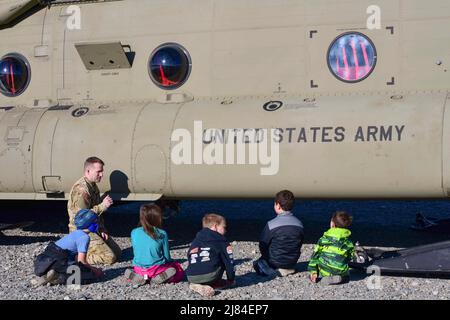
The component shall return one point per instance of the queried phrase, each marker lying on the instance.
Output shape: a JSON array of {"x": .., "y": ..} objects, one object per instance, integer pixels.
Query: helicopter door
[
  {"x": 46, "y": 182},
  {"x": 17, "y": 150}
]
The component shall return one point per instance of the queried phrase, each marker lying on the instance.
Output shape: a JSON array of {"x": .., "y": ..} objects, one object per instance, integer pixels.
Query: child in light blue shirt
[{"x": 52, "y": 264}]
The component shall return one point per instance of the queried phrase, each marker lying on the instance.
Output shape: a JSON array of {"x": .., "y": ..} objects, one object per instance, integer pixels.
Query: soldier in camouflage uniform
[{"x": 86, "y": 195}]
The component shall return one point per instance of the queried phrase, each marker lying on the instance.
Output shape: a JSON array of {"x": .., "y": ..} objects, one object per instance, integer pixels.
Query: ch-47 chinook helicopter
[{"x": 357, "y": 111}]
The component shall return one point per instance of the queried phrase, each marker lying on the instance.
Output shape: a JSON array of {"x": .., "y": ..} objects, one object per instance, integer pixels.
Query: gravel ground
[{"x": 376, "y": 224}]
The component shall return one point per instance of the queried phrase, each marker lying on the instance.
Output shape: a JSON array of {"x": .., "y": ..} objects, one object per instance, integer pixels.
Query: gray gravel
[{"x": 19, "y": 247}]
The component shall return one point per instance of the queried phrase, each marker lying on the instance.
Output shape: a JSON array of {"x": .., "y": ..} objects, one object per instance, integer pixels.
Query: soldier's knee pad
[
  {"x": 104, "y": 257},
  {"x": 111, "y": 259}
]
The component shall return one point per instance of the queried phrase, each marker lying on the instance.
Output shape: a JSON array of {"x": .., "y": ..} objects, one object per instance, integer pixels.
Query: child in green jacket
[{"x": 333, "y": 252}]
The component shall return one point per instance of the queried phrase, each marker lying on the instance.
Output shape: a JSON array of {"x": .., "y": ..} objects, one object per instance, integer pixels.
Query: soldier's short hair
[
  {"x": 342, "y": 219},
  {"x": 212, "y": 219},
  {"x": 285, "y": 199},
  {"x": 91, "y": 160}
]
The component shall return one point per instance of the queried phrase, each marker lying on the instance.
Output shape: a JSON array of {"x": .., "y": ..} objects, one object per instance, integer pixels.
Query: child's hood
[{"x": 338, "y": 233}]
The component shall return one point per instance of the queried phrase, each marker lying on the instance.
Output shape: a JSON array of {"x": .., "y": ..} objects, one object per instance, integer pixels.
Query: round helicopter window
[
  {"x": 169, "y": 66},
  {"x": 15, "y": 74},
  {"x": 352, "y": 57}
]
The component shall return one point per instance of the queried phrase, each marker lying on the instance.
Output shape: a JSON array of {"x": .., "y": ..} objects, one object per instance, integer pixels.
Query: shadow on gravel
[
  {"x": 376, "y": 222},
  {"x": 372, "y": 235},
  {"x": 22, "y": 240},
  {"x": 302, "y": 266},
  {"x": 182, "y": 232},
  {"x": 178, "y": 247},
  {"x": 241, "y": 261},
  {"x": 358, "y": 275},
  {"x": 111, "y": 274},
  {"x": 250, "y": 279},
  {"x": 127, "y": 255}
]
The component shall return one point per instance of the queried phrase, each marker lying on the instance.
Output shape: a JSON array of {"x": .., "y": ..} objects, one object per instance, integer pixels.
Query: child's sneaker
[
  {"x": 50, "y": 277},
  {"x": 55, "y": 278},
  {"x": 262, "y": 268},
  {"x": 285, "y": 272},
  {"x": 202, "y": 289},
  {"x": 164, "y": 276},
  {"x": 38, "y": 281},
  {"x": 134, "y": 278}
]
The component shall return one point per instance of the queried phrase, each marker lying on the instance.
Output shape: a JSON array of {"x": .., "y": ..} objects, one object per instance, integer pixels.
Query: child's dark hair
[
  {"x": 150, "y": 217},
  {"x": 342, "y": 219},
  {"x": 285, "y": 199}
]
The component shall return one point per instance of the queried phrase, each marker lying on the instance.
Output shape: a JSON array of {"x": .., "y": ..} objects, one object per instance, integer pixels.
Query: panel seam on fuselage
[
  {"x": 443, "y": 174},
  {"x": 169, "y": 163},
  {"x": 132, "y": 168}
]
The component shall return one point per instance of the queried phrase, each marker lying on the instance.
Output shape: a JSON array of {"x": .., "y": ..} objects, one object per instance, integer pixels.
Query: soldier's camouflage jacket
[{"x": 85, "y": 195}]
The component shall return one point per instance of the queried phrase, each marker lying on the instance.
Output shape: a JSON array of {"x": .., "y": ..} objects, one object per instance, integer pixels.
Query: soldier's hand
[
  {"x": 107, "y": 202},
  {"x": 105, "y": 236}
]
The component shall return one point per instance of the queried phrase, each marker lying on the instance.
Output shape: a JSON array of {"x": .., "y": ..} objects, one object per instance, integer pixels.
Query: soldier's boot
[{"x": 50, "y": 277}]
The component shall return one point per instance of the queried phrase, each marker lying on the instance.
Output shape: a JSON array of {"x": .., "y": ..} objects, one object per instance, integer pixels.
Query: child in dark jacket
[
  {"x": 209, "y": 256},
  {"x": 281, "y": 239},
  {"x": 51, "y": 265},
  {"x": 333, "y": 252}
]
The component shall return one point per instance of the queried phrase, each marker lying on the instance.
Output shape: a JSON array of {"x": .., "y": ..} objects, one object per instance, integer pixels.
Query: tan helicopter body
[{"x": 252, "y": 64}]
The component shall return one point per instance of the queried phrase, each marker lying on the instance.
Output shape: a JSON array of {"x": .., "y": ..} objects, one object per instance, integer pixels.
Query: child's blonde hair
[{"x": 212, "y": 219}]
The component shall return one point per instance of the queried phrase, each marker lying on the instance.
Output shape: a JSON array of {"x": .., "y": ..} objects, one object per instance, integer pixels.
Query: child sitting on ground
[
  {"x": 150, "y": 243},
  {"x": 333, "y": 252},
  {"x": 209, "y": 256},
  {"x": 51, "y": 265},
  {"x": 281, "y": 240}
]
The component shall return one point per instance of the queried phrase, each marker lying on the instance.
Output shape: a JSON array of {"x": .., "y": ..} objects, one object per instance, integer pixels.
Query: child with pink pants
[{"x": 150, "y": 243}]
